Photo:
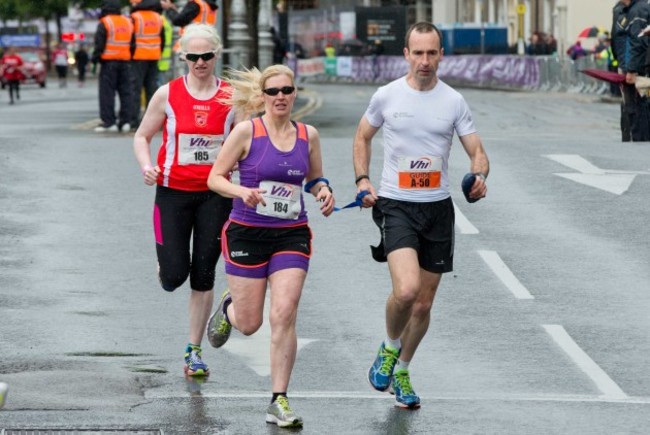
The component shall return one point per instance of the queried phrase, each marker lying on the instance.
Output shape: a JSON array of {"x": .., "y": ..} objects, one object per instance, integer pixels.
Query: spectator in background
[
  {"x": 551, "y": 44},
  {"x": 330, "y": 51},
  {"x": 11, "y": 69},
  {"x": 113, "y": 50},
  {"x": 60, "y": 61},
  {"x": 537, "y": 46},
  {"x": 603, "y": 43},
  {"x": 296, "y": 50},
  {"x": 376, "y": 49},
  {"x": 278, "y": 47},
  {"x": 194, "y": 11},
  {"x": 81, "y": 61},
  {"x": 149, "y": 43},
  {"x": 636, "y": 18},
  {"x": 619, "y": 38},
  {"x": 165, "y": 73},
  {"x": 576, "y": 51}
]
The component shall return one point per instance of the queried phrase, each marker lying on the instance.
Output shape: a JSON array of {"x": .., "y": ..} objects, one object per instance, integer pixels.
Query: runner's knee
[
  {"x": 249, "y": 326},
  {"x": 171, "y": 281}
]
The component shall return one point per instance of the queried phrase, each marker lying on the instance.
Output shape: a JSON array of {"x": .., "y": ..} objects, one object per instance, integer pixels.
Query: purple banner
[{"x": 522, "y": 72}]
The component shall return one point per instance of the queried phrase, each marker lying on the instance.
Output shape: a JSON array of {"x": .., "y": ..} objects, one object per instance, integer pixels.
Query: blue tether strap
[{"x": 357, "y": 201}]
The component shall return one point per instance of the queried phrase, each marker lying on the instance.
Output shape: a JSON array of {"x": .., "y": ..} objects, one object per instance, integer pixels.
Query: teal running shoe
[
  {"x": 405, "y": 397},
  {"x": 279, "y": 412},
  {"x": 194, "y": 365},
  {"x": 379, "y": 375},
  {"x": 218, "y": 330}
]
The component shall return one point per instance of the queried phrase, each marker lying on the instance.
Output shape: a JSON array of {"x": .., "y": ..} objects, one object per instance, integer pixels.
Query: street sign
[
  {"x": 20, "y": 40},
  {"x": 521, "y": 9}
]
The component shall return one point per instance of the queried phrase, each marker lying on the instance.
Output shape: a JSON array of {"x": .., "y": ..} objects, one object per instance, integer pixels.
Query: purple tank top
[{"x": 280, "y": 173}]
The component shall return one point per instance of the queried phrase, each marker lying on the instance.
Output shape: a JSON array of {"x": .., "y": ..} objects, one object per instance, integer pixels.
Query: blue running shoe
[
  {"x": 405, "y": 397},
  {"x": 379, "y": 375},
  {"x": 194, "y": 366}
]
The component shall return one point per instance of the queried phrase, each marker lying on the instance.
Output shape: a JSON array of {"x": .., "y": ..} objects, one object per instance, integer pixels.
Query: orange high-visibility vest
[
  {"x": 147, "y": 26},
  {"x": 205, "y": 16},
  {"x": 119, "y": 31}
]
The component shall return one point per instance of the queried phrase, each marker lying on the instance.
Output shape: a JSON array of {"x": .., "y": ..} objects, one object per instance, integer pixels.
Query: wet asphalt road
[{"x": 541, "y": 328}]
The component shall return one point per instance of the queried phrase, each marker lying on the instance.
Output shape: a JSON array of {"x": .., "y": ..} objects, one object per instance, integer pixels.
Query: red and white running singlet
[{"x": 192, "y": 136}]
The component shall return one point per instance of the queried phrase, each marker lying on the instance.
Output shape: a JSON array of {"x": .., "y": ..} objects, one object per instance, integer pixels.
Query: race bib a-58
[{"x": 419, "y": 172}]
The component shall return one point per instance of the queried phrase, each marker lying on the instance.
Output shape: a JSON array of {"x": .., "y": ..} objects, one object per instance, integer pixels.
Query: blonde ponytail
[{"x": 245, "y": 94}]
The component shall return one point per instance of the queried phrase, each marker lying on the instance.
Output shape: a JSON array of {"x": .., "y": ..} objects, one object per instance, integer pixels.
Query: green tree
[{"x": 14, "y": 10}]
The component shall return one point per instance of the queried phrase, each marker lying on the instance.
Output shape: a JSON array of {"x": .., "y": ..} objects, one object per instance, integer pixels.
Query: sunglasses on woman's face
[
  {"x": 286, "y": 90},
  {"x": 194, "y": 57}
]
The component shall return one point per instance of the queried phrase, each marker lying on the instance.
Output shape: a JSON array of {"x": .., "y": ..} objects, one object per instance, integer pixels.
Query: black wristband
[{"x": 361, "y": 177}]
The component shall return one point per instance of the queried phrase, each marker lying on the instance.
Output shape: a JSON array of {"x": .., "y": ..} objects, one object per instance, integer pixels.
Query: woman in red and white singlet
[{"x": 194, "y": 122}]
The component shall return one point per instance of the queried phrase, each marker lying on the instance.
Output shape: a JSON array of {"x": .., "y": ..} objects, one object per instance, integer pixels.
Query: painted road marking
[
  {"x": 605, "y": 384},
  {"x": 353, "y": 395},
  {"x": 254, "y": 349},
  {"x": 314, "y": 102},
  {"x": 612, "y": 181},
  {"x": 462, "y": 223},
  {"x": 500, "y": 269}
]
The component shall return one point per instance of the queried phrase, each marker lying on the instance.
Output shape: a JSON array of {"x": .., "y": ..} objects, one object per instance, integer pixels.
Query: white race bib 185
[{"x": 198, "y": 149}]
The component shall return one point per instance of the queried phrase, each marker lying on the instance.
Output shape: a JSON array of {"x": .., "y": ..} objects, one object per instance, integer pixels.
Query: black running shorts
[{"x": 427, "y": 227}]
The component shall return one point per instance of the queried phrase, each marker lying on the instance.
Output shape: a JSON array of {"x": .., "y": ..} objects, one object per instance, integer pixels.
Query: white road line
[
  {"x": 353, "y": 395},
  {"x": 463, "y": 224},
  {"x": 500, "y": 269},
  {"x": 605, "y": 384},
  {"x": 576, "y": 162}
]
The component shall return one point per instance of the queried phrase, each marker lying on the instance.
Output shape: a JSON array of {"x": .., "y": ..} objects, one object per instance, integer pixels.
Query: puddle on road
[
  {"x": 107, "y": 354},
  {"x": 72, "y": 431}
]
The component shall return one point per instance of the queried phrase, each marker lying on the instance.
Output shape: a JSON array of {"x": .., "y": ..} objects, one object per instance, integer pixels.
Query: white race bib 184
[
  {"x": 282, "y": 200},
  {"x": 198, "y": 149}
]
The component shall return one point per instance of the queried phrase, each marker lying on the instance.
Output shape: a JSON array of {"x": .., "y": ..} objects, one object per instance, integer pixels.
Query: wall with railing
[{"x": 532, "y": 73}]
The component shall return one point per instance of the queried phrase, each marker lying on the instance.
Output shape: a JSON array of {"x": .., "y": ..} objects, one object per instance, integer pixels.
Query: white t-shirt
[{"x": 418, "y": 128}]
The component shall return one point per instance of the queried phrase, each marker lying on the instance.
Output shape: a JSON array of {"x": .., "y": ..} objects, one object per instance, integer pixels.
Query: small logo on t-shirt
[
  {"x": 296, "y": 172},
  {"x": 397, "y": 115},
  {"x": 200, "y": 119}
]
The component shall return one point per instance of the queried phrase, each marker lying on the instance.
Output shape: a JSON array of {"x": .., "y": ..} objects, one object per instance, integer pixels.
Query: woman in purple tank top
[{"x": 267, "y": 238}]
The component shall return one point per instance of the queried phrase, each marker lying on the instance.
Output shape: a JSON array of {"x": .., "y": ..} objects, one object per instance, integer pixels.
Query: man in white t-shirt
[{"x": 412, "y": 208}]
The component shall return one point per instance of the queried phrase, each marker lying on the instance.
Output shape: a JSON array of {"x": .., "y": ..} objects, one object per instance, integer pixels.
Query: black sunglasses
[
  {"x": 194, "y": 57},
  {"x": 286, "y": 90}
]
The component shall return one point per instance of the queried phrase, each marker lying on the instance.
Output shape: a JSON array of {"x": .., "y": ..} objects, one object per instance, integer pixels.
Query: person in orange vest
[
  {"x": 194, "y": 11},
  {"x": 114, "y": 46},
  {"x": 149, "y": 43}
]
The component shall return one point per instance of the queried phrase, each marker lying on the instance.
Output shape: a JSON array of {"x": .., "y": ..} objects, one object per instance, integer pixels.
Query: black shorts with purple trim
[{"x": 258, "y": 252}]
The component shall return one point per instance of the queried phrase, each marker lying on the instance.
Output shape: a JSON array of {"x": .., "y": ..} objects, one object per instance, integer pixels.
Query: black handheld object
[{"x": 466, "y": 184}]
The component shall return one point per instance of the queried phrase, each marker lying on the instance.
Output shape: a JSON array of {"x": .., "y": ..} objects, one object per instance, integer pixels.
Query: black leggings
[
  {"x": 14, "y": 87},
  {"x": 181, "y": 215}
]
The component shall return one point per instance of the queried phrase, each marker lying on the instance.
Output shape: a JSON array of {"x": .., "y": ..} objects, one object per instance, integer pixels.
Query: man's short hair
[{"x": 422, "y": 27}]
